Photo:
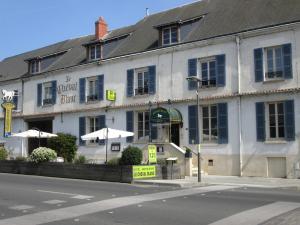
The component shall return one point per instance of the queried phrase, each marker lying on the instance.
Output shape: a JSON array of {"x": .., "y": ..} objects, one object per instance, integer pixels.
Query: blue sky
[{"x": 30, "y": 24}]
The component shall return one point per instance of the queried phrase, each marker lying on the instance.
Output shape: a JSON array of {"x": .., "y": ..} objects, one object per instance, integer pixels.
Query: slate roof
[{"x": 220, "y": 17}]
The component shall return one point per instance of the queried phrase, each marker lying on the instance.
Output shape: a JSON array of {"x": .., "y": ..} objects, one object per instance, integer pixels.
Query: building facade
[{"x": 247, "y": 62}]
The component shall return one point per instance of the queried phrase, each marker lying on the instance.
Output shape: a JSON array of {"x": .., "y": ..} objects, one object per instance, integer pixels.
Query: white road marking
[
  {"x": 21, "y": 207},
  {"x": 82, "y": 197},
  {"x": 59, "y": 193},
  {"x": 258, "y": 215},
  {"x": 54, "y": 202},
  {"x": 100, "y": 206}
]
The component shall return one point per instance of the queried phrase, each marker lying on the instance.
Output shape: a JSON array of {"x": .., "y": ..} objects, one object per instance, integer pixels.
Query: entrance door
[{"x": 175, "y": 138}]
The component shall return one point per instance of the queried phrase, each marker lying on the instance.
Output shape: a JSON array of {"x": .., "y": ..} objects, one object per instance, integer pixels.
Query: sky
[{"x": 30, "y": 24}]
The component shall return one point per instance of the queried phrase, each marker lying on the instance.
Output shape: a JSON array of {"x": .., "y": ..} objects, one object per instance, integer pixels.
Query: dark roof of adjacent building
[{"x": 218, "y": 18}]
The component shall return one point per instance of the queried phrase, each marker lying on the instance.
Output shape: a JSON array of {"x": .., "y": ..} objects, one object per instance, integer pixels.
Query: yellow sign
[
  {"x": 111, "y": 95},
  {"x": 8, "y": 106},
  {"x": 139, "y": 172},
  {"x": 152, "y": 154}
]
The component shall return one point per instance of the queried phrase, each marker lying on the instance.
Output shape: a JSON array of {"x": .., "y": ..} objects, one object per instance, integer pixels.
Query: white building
[{"x": 245, "y": 53}]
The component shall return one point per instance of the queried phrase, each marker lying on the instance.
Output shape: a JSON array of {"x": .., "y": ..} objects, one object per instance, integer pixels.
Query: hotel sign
[
  {"x": 140, "y": 172},
  {"x": 152, "y": 154},
  {"x": 159, "y": 115},
  {"x": 8, "y": 106},
  {"x": 111, "y": 95},
  {"x": 64, "y": 91}
]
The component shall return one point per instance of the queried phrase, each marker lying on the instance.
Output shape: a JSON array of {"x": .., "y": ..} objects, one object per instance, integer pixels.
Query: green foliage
[
  {"x": 21, "y": 158},
  {"x": 114, "y": 162},
  {"x": 65, "y": 146},
  {"x": 3, "y": 153},
  {"x": 80, "y": 159},
  {"x": 42, "y": 154},
  {"x": 131, "y": 156}
]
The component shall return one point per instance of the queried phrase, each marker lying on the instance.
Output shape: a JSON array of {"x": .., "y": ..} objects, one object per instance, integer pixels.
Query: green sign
[
  {"x": 139, "y": 172},
  {"x": 111, "y": 95},
  {"x": 159, "y": 115},
  {"x": 152, "y": 154}
]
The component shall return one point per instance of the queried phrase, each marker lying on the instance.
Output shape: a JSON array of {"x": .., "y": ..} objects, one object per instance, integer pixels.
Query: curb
[{"x": 170, "y": 184}]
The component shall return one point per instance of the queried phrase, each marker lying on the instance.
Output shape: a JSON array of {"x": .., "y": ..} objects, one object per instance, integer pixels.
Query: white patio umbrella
[
  {"x": 106, "y": 133},
  {"x": 33, "y": 134}
]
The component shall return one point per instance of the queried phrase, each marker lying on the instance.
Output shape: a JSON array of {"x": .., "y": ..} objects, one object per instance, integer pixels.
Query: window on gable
[
  {"x": 208, "y": 72},
  {"x": 92, "y": 89},
  {"x": 142, "y": 84},
  {"x": 47, "y": 96},
  {"x": 95, "y": 52},
  {"x": 209, "y": 124},
  {"x": 143, "y": 125},
  {"x": 274, "y": 63},
  {"x": 35, "y": 66},
  {"x": 275, "y": 120},
  {"x": 170, "y": 35}
]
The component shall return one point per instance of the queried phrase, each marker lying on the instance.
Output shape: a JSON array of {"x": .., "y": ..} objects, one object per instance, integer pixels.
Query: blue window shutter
[
  {"x": 260, "y": 122},
  {"x": 221, "y": 71},
  {"x": 289, "y": 120},
  {"x": 192, "y": 72},
  {"x": 100, "y": 86},
  {"x": 152, "y": 79},
  {"x": 101, "y": 125},
  {"x": 193, "y": 124},
  {"x": 130, "y": 74},
  {"x": 53, "y": 89},
  {"x": 82, "y": 90},
  {"x": 258, "y": 65},
  {"x": 287, "y": 61},
  {"x": 81, "y": 130},
  {"x": 15, "y": 99},
  {"x": 129, "y": 125},
  {"x": 39, "y": 94},
  {"x": 222, "y": 123}
]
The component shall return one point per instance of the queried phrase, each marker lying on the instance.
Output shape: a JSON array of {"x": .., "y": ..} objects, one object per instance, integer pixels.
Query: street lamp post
[{"x": 196, "y": 79}]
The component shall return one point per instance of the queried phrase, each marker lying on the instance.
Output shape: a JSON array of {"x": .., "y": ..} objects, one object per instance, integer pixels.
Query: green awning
[{"x": 162, "y": 115}]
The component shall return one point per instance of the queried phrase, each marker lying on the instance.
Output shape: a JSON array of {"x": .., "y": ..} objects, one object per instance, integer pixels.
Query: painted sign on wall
[
  {"x": 64, "y": 91},
  {"x": 139, "y": 172}
]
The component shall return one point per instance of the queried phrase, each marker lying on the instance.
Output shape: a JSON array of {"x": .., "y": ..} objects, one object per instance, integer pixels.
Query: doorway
[
  {"x": 43, "y": 125},
  {"x": 175, "y": 135}
]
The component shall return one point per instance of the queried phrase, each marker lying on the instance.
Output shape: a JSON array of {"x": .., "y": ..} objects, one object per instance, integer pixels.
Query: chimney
[{"x": 100, "y": 28}]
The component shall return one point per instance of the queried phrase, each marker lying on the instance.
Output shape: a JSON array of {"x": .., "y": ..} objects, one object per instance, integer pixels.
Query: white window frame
[
  {"x": 169, "y": 30},
  {"x": 266, "y": 67},
  {"x": 267, "y": 113},
  {"x": 207, "y": 61},
  {"x": 136, "y": 86},
  {"x": 36, "y": 64},
  {"x": 144, "y": 135},
  {"x": 93, "y": 49},
  {"x": 88, "y": 89},
  {"x": 210, "y": 139},
  {"x": 46, "y": 92},
  {"x": 88, "y": 124}
]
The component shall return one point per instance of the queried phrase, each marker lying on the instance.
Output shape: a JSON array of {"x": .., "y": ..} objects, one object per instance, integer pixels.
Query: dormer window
[
  {"x": 170, "y": 35},
  {"x": 95, "y": 52},
  {"x": 35, "y": 66}
]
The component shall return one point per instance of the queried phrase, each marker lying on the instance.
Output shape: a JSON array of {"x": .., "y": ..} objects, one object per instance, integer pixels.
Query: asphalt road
[{"x": 29, "y": 200}]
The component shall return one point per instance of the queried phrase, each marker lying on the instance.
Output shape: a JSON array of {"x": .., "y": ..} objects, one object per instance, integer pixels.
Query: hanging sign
[
  {"x": 139, "y": 172},
  {"x": 159, "y": 115},
  {"x": 8, "y": 107},
  {"x": 111, "y": 95},
  {"x": 152, "y": 154}
]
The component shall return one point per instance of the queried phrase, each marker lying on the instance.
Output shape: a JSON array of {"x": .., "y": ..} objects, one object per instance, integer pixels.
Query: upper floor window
[
  {"x": 35, "y": 66},
  {"x": 208, "y": 72},
  {"x": 92, "y": 89},
  {"x": 142, "y": 81},
  {"x": 273, "y": 63},
  {"x": 170, "y": 35},
  {"x": 46, "y": 93},
  {"x": 95, "y": 52}
]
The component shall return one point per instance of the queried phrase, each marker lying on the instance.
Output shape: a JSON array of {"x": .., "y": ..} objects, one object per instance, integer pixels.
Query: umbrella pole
[{"x": 106, "y": 145}]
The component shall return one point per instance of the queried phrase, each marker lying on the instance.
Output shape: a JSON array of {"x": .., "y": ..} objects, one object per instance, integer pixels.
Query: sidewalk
[{"x": 226, "y": 180}]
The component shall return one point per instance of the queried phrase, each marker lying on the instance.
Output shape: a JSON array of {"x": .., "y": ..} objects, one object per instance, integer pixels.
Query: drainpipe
[{"x": 240, "y": 143}]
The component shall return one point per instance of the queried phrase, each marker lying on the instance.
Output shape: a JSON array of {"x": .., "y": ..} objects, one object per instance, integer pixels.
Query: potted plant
[{"x": 188, "y": 153}]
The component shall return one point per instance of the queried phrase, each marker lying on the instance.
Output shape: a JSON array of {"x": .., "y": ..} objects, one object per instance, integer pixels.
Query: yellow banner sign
[
  {"x": 111, "y": 95},
  {"x": 8, "y": 106},
  {"x": 139, "y": 172},
  {"x": 152, "y": 154}
]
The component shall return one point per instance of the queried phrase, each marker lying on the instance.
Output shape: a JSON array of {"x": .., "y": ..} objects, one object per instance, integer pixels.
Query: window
[
  {"x": 35, "y": 66},
  {"x": 47, "y": 93},
  {"x": 95, "y": 52},
  {"x": 170, "y": 35},
  {"x": 209, "y": 124},
  {"x": 274, "y": 63},
  {"x": 275, "y": 112},
  {"x": 142, "y": 82},
  {"x": 208, "y": 72},
  {"x": 93, "y": 126},
  {"x": 92, "y": 89},
  {"x": 143, "y": 124}
]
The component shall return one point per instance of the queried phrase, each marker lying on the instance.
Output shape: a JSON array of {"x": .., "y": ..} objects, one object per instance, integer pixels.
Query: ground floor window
[
  {"x": 143, "y": 124},
  {"x": 276, "y": 120},
  {"x": 93, "y": 126},
  {"x": 209, "y": 124}
]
